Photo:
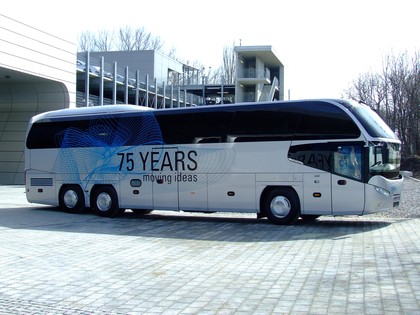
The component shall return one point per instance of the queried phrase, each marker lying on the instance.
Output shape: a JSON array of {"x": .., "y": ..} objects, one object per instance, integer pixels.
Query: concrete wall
[{"x": 37, "y": 74}]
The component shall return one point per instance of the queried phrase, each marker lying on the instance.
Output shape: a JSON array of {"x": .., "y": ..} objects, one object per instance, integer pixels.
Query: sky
[{"x": 323, "y": 44}]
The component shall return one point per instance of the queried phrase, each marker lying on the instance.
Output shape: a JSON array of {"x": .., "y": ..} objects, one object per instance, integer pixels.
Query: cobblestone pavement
[{"x": 169, "y": 263}]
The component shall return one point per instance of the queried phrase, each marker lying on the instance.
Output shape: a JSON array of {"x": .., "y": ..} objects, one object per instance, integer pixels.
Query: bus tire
[
  {"x": 282, "y": 206},
  {"x": 71, "y": 199},
  {"x": 105, "y": 201}
]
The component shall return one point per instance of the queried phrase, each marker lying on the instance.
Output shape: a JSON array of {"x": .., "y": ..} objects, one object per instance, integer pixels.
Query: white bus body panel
[
  {"x": 41, "y": 188},
  {"x": 348, "y": 196},
  {"x": 165, "y": 194},
  {"x": 233, "y": 192},
  {"x": 135, "y": 197},
  {"x": 317, "y": 193},
  {"x": 378, "y": 202},
  {"x": 40, "y": 181},
  {"x": 192, "y": 194}
]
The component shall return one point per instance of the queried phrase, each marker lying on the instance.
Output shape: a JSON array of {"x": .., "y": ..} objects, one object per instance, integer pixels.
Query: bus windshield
[
  {"x": 372, "y": 122},
  {"x": 384, "y": 159}
]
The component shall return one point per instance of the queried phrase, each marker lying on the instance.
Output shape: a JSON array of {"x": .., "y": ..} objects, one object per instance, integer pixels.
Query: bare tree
[
  {"x": 104, "y": 40},
  {"x": 395, "y": 95},
  {"x": 229, "y": 64},
  {"x": 156, "y": 43},
  {"x": 226, "y": 73},
  {"x": 87, "y": 41},
  {"x": 366, "y": 89},
  {"x": 142, "y": 39},
  {"x": 138, "y": 39},
  {"x": 172, "y": 53},
  {"x": 126, "y": 39}
]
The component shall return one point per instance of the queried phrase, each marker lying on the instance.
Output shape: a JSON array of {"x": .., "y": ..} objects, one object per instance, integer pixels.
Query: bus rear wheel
[
  {"x": 282, "y": 206},
  {"x": 105, "y": 201},
  {"x": 71, "y": 199}
]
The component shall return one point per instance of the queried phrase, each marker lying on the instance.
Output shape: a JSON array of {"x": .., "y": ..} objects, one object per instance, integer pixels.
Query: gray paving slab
[{"x": 178, "y": 263}]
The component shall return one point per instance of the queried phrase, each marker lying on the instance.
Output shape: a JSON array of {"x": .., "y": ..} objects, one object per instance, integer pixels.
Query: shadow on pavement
[{"x": 206, "y": 227}]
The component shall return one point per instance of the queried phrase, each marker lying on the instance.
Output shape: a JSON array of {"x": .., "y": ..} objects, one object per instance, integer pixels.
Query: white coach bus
[{"x": 280, "y": 160}]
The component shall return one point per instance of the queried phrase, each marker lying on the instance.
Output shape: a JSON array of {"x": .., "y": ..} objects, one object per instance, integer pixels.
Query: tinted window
[
  {"x": 95, "y": 132},
  {"x": 39, "y": 136},
  {"x": 344, "y": 159},
  {"x": 211, "y": 127},
  {"x": 254, "y": 122},
  {"x": 137, "y": 129},
  {"x": 194, "y": 126},
  {"x": 88, "y": 133},
  {"x": 53, "y": 134},
  {"x": 176, "y": 128},
  {"x": 324, "y": 121},
  {"x": 262, "y": 122},
  {"x": 371, "y": 121}
]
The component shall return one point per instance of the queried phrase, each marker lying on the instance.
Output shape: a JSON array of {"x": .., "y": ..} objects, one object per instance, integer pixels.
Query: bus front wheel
[
  {"x": 105, "y": 202},
  {"x": 71, "y": 199},
  {"x": 282, "y": 206}
]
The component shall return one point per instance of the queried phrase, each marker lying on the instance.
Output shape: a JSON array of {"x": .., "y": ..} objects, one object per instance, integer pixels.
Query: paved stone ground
[{"x": 52, "y": 262}]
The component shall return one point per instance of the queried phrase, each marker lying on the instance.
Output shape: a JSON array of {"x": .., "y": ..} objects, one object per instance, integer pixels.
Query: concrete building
[
  {"x": 155, "y": 80},
  {"x": 37, "y": 74},
  {"x": 259, "y": 74}
]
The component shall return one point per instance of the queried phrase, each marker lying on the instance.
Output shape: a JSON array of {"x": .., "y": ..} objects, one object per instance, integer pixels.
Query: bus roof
[
  {"x": 95, "y": 110},
  {"x": 121, "y": 109}
]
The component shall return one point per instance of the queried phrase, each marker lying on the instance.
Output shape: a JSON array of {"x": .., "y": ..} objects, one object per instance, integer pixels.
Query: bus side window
[
  {"x": 318, "y": 156},
  {"x": 347, "y": 161}
]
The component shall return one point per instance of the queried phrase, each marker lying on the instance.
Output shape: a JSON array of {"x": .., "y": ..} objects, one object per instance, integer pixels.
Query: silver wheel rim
[
  {"x": 280, "y": 206},
  {"x": 70, "y": 199},
  {"x": 104, "y": 201}
]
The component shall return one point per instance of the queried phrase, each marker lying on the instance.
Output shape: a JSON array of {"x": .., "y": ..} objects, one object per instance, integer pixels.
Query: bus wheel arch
[
  {"x": 280, "y": 205},
  {"x": 71, "y": 198},
  {"x": 104, "y": 201}
]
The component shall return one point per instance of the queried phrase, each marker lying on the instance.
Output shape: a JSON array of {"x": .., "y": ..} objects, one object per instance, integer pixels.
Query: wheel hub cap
[
  {"x": 70, "y": 198},
  {"x": 280, "y": 206},
  {"x": 104, "y": 201}
]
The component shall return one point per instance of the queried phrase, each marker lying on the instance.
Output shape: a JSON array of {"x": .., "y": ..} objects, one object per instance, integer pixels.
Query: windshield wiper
[{"x": 376, "y": 163}]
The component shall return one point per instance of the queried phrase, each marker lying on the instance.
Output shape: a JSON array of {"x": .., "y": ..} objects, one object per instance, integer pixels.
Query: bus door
[
  {"x": 164, "y": 165},
  {"x": 338, "y": 187},
  {"x": 348, "y": 196},
  {"x": 348, "y": 190}
]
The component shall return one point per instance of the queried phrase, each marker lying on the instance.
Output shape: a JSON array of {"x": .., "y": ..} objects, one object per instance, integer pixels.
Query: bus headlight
[{"x": 383, "y": 191}]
